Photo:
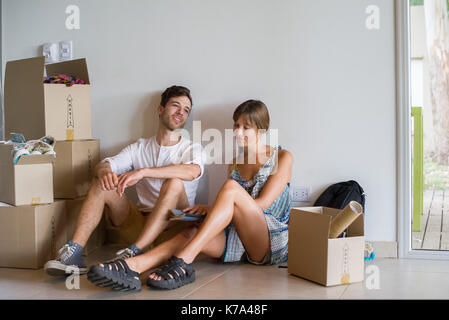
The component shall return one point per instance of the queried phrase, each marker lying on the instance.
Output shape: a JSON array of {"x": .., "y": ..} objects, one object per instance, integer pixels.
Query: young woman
[{"x": 248, "y": 220}]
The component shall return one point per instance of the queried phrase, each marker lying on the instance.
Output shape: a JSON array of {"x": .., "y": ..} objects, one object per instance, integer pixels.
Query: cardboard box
[
  {"x": 29, "y": 181},
  {"x": 98, "y": 237},
  {"x": 74, "y": 167},
  {"x": 313, "y": 256},
  {"x": 37, "y": 109},
  {"x": 31, "y": 235}
]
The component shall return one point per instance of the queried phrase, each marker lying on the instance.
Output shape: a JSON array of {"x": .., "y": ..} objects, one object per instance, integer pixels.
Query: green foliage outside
[
  {"x": 436, "y": 176},
  {"x": 421, "y": 3},
  {"x": 416, "y": 2}
]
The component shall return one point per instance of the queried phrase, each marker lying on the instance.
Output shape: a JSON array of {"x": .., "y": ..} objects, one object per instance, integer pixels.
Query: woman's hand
[{"x": 197, "y": 209}]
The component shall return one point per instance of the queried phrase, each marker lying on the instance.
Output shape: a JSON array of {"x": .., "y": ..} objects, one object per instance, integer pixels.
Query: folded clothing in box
[{"x": 21, "y": 147}]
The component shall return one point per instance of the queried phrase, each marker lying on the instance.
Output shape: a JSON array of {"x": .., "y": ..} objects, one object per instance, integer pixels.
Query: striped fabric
[{"x": 277, "y": 216}]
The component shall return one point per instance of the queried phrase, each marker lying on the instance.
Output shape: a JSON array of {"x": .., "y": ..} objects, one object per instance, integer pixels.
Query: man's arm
[
  {"x": 186, "y": 172},
  {"x": 101, "y": 168},
  {"x": 108, "y": 179}
]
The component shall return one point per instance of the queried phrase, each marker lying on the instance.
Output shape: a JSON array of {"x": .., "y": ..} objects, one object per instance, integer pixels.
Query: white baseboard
[{"x": 385, "y": 249}]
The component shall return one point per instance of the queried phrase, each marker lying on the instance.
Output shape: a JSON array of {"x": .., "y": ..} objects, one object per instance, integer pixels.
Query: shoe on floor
[
  {"x": 126, "y": 253},
  {"x": 68, "y": 261}
]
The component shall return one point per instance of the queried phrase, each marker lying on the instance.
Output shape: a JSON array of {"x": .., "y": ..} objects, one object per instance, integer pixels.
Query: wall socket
[
  {"x": 55, "y": 52},
  {"x": 300, "y": 193}
]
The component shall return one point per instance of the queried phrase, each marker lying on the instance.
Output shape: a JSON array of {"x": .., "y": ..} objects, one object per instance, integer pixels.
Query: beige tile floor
[{"x": 398, "y": 279}]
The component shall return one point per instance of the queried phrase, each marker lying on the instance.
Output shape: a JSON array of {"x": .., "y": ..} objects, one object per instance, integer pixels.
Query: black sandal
[
  {"x": 119, "y": 277},
  {"x": 176, "y": 273}
]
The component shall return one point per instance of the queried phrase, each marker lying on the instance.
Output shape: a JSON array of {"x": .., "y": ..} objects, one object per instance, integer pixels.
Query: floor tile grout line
[
  {"x": 344, "y": 291},
  {"x": 208, "y": 282},
  {"x": 416, "y": 271}
]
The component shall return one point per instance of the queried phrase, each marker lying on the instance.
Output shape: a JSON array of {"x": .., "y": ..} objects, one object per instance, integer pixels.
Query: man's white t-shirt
[{"x": 147, "y": 153}]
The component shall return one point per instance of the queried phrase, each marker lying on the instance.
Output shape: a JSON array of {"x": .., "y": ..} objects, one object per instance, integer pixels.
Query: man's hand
[
  {"x": 128, "y": 179},
  {"x": 108, "y": 179}
]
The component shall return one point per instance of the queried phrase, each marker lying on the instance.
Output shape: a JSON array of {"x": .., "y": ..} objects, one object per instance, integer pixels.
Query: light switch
[{"x": 65, "y": 50}]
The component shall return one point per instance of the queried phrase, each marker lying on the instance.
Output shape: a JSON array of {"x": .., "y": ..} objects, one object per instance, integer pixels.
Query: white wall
[{"x": 327, "y": 80}]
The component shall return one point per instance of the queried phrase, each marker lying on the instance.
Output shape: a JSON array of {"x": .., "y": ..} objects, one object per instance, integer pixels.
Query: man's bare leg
[
  {"x": 172, "y": 195},
  {"x": 69, "y": 257},
  {"x": 92, "y": 211}
]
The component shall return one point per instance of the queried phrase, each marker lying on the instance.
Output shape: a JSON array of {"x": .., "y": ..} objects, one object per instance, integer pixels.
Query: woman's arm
[{"x": 277, "y": 181}]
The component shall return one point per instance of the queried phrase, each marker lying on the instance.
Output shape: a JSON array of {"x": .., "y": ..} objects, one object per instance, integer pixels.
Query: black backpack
[{"x": 338, "y": 195}]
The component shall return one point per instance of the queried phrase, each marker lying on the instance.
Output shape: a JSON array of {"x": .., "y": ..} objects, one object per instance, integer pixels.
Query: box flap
[
  {"x": 24, "y": 94},
  {"x": 356, "y": 228},
  {"x": 76, "y": 68},
  {"x": 36, "y": 159},
  {"x": 307, "y": 245},
  {"x": 321, "y": 218},
  {"x": 6, "y": 157}
]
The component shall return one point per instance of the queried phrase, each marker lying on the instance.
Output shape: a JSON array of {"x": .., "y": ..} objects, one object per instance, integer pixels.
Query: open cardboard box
[
  {"x": 313, "y": 256},
  {"x": 29, "y": 181},
  {"x": 31, "y": 235},
  {"x": 74, "y": 167},
  {"x": 37, "y": 109}
]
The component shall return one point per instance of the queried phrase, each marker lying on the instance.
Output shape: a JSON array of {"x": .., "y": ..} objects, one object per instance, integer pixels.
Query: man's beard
[{"x": 166, "y": 122}]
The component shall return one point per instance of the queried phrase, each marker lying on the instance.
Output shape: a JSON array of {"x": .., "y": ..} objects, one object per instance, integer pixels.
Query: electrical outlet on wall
[
  {"x": 65, "y": 50},
  {"x": 300, "y": 193}
]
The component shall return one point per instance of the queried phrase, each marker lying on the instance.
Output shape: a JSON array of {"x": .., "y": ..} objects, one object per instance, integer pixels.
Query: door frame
[{"x": 403, "y": 140}]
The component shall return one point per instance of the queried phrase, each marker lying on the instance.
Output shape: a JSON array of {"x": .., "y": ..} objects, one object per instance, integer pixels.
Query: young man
[{"x": 165, "y": 168}]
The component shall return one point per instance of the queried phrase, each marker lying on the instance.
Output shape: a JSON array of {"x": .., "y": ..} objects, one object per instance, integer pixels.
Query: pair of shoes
[
  {"x": 116, "y": 275},
  {"x": 68, "y": 261},
  {"x": 176, "y": 273}
]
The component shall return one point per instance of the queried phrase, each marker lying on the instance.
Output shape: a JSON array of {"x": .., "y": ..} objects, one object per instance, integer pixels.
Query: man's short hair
[{"x": 175, "y": 91}]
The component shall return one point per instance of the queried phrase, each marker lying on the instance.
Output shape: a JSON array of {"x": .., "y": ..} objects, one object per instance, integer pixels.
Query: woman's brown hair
[{"x": 255, "y": 112}]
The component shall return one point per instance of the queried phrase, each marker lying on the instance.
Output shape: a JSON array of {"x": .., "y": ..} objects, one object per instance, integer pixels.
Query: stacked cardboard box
[{"x": 34, "y": 225}]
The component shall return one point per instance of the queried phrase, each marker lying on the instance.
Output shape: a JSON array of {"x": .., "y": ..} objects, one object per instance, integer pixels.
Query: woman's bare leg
[
  {"x": 160, "y": 254},
  {"x": 233, "y": 204}
]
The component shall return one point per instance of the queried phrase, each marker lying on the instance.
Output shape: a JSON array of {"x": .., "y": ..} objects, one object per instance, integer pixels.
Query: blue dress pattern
[{"x": 277, "y": 215}]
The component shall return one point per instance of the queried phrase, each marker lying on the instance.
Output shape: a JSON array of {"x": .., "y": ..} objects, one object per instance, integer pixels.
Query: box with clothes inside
[{"x": 58, "y": 105}]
